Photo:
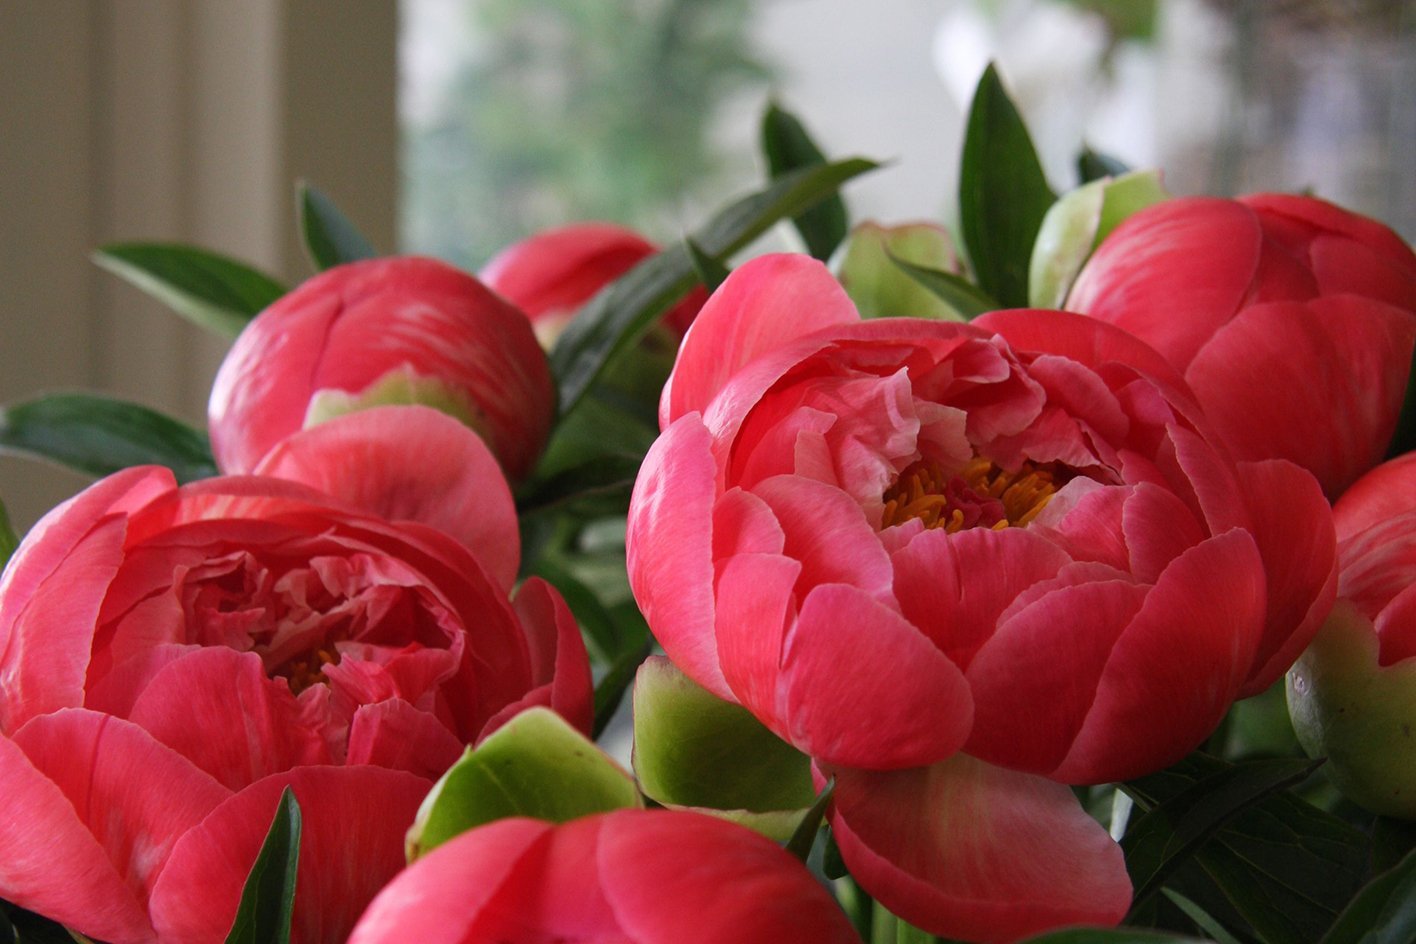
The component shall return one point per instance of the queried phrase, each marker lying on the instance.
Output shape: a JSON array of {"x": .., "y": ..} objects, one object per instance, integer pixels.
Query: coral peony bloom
[
  {"x": 551, "y": 274},
  {"x": 1291, "y": 319},
  {"x": 900, "y": 539},
  {"x": 652, "y": 877},
  {"x": 1352, "y": 694},
  {"x": 394, "y": 330},
  {"x": 171, "y": 658}
]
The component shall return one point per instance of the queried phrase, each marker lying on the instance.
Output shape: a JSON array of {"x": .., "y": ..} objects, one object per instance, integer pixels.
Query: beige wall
[{"x": 175, "y": 120}]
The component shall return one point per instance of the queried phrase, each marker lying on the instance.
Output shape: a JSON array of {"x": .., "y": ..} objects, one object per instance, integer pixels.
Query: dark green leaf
[
  {"x": 600, "y": 486},
  {"x": 218, "y": 293},
  {"x": 610, "y": 691},
  {"x": 1003, "y": 194},
  {"x": 1384, "y": 912},
  {"x": 268, "y": 899},
  {"x": 1094, "y": 165},
  {"x": 8, "y": 539},
  {"x": 616, "y": 317},
  {"x": 606, "y": 639},
  {"x": 1110, "y": 936},
  {"x": 789, "y": 147},
  {"x": 1280, "y": 871},
  {"x": 330, "y": 238},
  {"x": 710, "y": 271},
  {"x": 958, "y": 293},
  {"x": 804, "y": 838},
  {"x": 1172, "y": 831},
  {"x": 1404, "y": 440},
  {"x": 99, "y": 435}
]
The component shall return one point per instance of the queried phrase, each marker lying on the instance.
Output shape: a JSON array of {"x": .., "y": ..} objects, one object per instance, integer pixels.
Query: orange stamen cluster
[
  {"x": 304, "y": 672},
  {"x": 979, "y": 495}
]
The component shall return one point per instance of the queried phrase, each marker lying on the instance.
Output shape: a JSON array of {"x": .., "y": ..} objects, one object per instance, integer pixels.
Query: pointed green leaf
[
  {"x": 1003, "y": 194},
  {"x": 1404, "y": 439},
  {"x": 535, "y": 765},
  {"x": 966, "y": 300},
  {"x": 804, "y": 836},
  {"x": 331, "y": 239},
  {"x": 710, "y": 270},
  {"x": 268, "y": 898},
  {"x": 615, "y": 318},
  {"x": 692, "y": 749},
  {"x": 1384, "y": 912},
  {"x": 1094, "y": 165},
  {"x": 1280, "y": 871},
  {"x": 789, "y": 147},
  {"x": 220, "y": 294},
  {"x": 100, "y": 435},
  {"x": 8, "y": 539},
  {"x": 1172, "y": 831}
]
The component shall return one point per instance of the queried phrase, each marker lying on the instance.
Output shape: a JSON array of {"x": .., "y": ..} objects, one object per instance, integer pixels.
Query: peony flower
[
  {"x": 172, "y": 658},
  {"x": 1291, "y": 319},
  {"x": 653, "y": 877},
  {"x": 551, "y": 274},
  {"x": 394, "y": 330},
  {"x": 960, "y": 569},
  {"x": 1352, "y": 694}
]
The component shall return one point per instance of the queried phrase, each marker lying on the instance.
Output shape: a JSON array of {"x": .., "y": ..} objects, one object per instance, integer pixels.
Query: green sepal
[
  {"x": 1077, "y": 223},
  {"x": 788, "y": 147},
  {"x": 268, "y": 898},
  {"x": 1003, "y": 193},
  {"x": 961, "y": 296},
  {"x": 869, "y": 269},
  {"x": 210, "y": 290},
  {"x": 100, "y": 435},
  {"x": 330, "y": 237},
  {"x": 694, "y": 750},
  {"x": 622, "y": 311},
  {"x": 534, "y": 765}
]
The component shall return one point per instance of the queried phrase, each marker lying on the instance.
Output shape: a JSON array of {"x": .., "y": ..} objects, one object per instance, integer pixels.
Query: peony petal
[
  {"x": 755, "y": 603},
  {"x": 764, "y": 304},
  {"x": 1158, "y": 528},
  {"x": 439, "y": 898},
  {"x": 135, "y": 796},
  {"x": 861, "y": 686},
  {"x": 1377, "y": 496},
  {"x": 1143, "y": 719},
  {"x": 669, "y": 549},
  {"x": 351, "y": 844},
  {"x": 712, "y": 882},
  {"x": 398, "y": 736},
  {"x": 968, "y": 850},
  {"x": 454, "y": 485},
  {"x": 559, "y": 660},
  {"x": 1293, "y": 530},
  {"x": 1049, "y": 653},
  {"x": 826, "y": 531},
  {"x": 217, "y": 708},
  {"x": 558, "y": 270},
  {"x": 51, "y": 864}
]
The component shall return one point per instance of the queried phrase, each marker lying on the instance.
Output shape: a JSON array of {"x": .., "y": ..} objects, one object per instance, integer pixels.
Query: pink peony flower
[
  {"x": 551, "y": 274},
  {"x": 652, "y": 877},
  {"x": 172, "y": 658},
  {"x": 1291, "y": 319},
  {"x": 961, "y": 569},
  {"x": 394, "y": 330},
  {"x": 1352, "y": 694}
]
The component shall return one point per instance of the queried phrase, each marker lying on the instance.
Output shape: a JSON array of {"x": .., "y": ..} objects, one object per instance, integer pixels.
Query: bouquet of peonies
[{"x": 939, "y": 587}]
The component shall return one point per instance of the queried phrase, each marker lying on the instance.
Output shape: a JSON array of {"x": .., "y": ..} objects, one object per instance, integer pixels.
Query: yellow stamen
[{"x": 980, "y": 495}]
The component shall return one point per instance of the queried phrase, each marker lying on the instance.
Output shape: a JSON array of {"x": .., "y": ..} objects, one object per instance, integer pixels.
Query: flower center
[
  {"x": 981, "y": 495},
  {"x": 304, "y": 670}
]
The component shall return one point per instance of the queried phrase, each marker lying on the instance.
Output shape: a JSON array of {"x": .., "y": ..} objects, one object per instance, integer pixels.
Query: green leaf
[
  {"x": 220, "y": 294},
  {"x": 1003, "y": 194},
  {"x": 789, "y": 147},
  {"x": 1094, "y": 165},
  {"x": 693, "y": 749},
  {"x": 601, "y": 485},
  {"x": 535, "y": 765},
  {"x": 1404, "y": 439},
  {"x": 99, "y": 435},
  {"x": 615, "y": 318},
  {"x": 603, "y": 635},
  {"x": 804, "y": 836},
  {"x": 879, "y": 287},
  {"x": 1110, "y": 936},
  {"x": 1172, "y": 831},
  {"x": 610, "y": 690},
  {"x": 9, "y": 540},
  {"x": 1384, "y": 912},
  {"x": 268, "y": 899},
  {"x": 330, "y": 238},
  {"x": 709, "y": 269},
  {"x": 966, "y": 299},
  {"x": 1282, "y": 867}
]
